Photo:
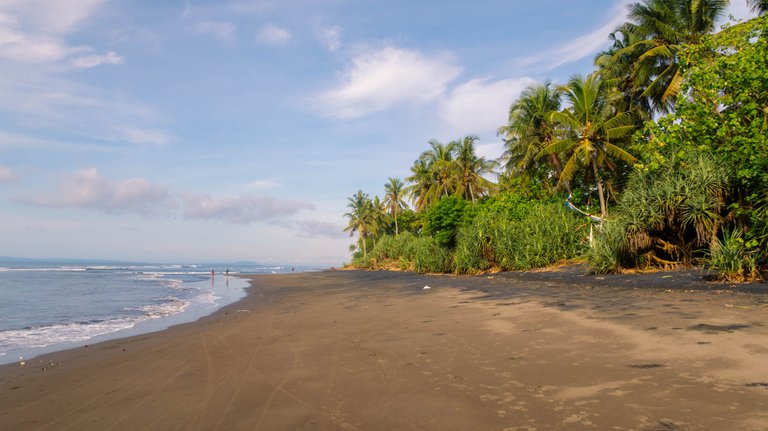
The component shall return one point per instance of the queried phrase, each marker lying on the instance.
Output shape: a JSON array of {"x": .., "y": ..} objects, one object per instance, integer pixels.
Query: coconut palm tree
[
  {"x": 469, "y": 171},
  {"x": 433, "y": 175},
  {"x": 592, "y": 124},
  {"x": 662, "y": 27},
  {"x": 759, "y": 6},
  {"x": 616, "y": 66},
  {"x": 421, "y": 183},
  {"x": 377, "y": 219},
  {"x": 529, "y": 129},
  {"x": 360, "y": 216},
  {"x": 394, "y": 192}
]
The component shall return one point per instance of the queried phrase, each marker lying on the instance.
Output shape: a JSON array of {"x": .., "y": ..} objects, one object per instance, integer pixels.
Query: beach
[{"x": 351, "y": 350}]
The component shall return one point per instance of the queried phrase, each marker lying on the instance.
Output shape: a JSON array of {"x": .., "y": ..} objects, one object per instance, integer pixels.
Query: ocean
[{"x": 54, "y": 305}]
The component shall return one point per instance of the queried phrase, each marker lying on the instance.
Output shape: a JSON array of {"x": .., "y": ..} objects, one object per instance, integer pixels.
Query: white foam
[
  {"x": 61, "y": 333},
  {"x": 43, "y": 336}
]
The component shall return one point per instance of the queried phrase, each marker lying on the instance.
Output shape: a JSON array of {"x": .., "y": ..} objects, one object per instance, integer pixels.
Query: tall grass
[{"x": 547, "y": 234}]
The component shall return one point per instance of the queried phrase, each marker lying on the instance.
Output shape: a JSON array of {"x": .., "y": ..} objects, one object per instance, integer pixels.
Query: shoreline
[
  {"x": 219, "y": 287},
  {"x": 374, "y": 350}
]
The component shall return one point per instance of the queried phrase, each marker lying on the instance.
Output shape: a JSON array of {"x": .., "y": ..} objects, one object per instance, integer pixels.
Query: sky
[{"x": 201, "y": 131}]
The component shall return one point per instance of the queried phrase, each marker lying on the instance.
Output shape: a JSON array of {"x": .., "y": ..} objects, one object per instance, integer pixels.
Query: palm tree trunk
[
  {"x": 396, "y": 232},
  {"x": 603, "y": 209},
  {"x": 558, "y": 167},
  {"x": 362, "y": 239}
]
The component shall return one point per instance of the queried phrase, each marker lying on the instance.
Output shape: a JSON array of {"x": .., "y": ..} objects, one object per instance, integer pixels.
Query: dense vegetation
[{"x": 667, "y": 140}]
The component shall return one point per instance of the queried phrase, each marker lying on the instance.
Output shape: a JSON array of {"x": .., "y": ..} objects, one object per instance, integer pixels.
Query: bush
[
  {"x": 444, "y": 219},
  {"x": 430, "y": 257},
  {"x": 734, "y": 258},
  {"x": 609, "y": 252}
]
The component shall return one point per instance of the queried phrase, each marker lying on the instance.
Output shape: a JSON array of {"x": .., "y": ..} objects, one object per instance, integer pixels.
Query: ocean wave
[
  {"x": 46, "y": 335},
  {"x": 30, "y": 338},
  {"x": 61, "y": 269}
]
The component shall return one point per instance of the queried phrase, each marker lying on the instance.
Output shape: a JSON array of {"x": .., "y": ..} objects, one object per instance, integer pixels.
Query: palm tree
[
  {"x": 421, "y": 183},
  {"x": 662, "y": 27},
  {"x": 394, "y": 191},
  {"x": 591, "y": 123},
  {"x": 469, "y": 170},
  {"x": 432, "y": 175},
  {"x": 377, "y": 218},
  {"x": 759, "y": 6},
  {"x": 616, "y": 66},
  {"x": 360, "y": 216},
  {"x": 529, "y": 129}
]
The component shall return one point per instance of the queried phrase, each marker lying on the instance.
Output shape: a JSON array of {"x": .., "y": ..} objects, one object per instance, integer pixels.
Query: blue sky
[{"x": 235, "y": 130}]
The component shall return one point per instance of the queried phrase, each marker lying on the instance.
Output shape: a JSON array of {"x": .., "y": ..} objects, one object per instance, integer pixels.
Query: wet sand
[{"x": 376, "y": 351}]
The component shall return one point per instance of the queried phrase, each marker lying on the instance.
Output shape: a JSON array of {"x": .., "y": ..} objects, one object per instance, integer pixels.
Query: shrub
[
  {"x": 444, "y": 219},
  {"x": 734, "y": 258},
  {"x": 545, "y": 235},
  {"x": 429, "y": 256}
]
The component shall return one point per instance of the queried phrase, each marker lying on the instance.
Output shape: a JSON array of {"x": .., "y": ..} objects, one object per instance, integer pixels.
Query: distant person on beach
[
  {"x": 227, "y": 273},
  {"x": 293, "y": 269},
  {"x": 212, "y": 274}
]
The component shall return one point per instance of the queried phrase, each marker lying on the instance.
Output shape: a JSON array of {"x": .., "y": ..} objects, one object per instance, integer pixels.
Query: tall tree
[
  {"x": 591, "y": 123},
  {"x": 421, "y": 183},
  {"x": 432, "y": 175},
  {"x": 361, "y": 214},
  {"x": 662, "y": 27},
  {"x": 616, "y": 66},
  {"x": 394, "y": 193},
  {"x": 469, "y": 171},
  {"x": 759, "y": 6},
  {"x": 530, "y": 129}
]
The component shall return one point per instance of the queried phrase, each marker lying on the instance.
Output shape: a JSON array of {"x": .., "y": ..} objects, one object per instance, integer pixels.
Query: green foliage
[
  {"x": 494, "y": 239},
  {"x": 697, "y": 192},
  {"x": 669, "y": 216},
  {"x": 734, "y": 258},
  {"x": 395, "y": 247},
  {"x": 725, "y": 104},
  {"x": 431, "y": 257},
  {"x": 444, "y": 219}
]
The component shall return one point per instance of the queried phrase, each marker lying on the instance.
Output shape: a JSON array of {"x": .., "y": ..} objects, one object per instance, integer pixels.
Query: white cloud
[
  {"x": 7, "y": 175},
  {"x": 221, "y": 30},
  {"x": 240, "y": 210},
  {"x": 490, "y": 151},
  {"x": 380, "y": 80},
  {"x": 480, "y": 106},
  {"x": 583, "y": 46},
  {"x": 88, "y": 189},
  {"x": 15, "y": 140},
  {"x": 89, "y": 61},
  {"x": 142, "y": 136},
  {"x": 263, "y": 184},
  {"x": 317, "y": 229},
  {"x": 16, "y": 45},
  {"x": 52, "y": 16},
  {"x": 739, "y": 9},
  {"x": 330, "y": 38},
  {"x": 273, "y": 35},
  {"x": 32, "y": 31}
]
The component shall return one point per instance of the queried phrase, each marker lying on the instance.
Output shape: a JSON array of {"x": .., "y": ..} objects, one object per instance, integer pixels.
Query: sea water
[{"x": 54, "y": 305}]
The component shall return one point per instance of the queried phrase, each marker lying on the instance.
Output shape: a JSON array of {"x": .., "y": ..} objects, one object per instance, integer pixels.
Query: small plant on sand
[{"x": 735, "y": 259}]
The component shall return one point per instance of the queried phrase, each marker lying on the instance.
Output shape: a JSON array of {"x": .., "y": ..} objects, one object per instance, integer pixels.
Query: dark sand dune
[{"x": 376, "y": 351}]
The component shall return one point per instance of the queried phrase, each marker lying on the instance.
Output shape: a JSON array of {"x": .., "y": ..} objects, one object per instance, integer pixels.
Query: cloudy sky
[{"x": 235, "y": 130}]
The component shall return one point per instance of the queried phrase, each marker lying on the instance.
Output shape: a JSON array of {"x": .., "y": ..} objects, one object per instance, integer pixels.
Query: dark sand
[{"x": 375, "y": 351}]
